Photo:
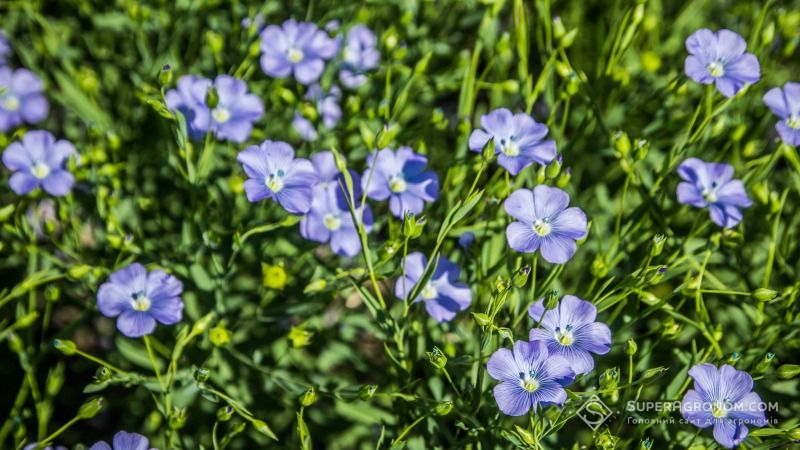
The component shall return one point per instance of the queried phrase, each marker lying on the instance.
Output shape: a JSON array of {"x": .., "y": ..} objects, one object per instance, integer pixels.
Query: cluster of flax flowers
[{"x": 565, "y": 336}]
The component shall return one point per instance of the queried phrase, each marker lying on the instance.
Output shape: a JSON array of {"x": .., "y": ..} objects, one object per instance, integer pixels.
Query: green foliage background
[{"x": 604, "y": 73}]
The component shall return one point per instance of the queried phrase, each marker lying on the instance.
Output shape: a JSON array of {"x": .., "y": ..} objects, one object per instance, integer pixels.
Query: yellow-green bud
[
  {"x": 309, "y": 397},
  {"x": 788, "y": 371},
  {"x": 263, "y": 428},
  {"x": 443, "y": 408},
  {"x": 631, "y": 347},
  {"x": 91, "y": 408},
  {"x": 201, "y": 375},
  {"x": 65, "y": 346},
  {"x": 482, "y": 319},
  {"x": 177, "y": 419},
  {"x": 657, "y": 245},
  {"x": 764, "y": 294},
  {"x": 437, "y": 358},
  {"x": 488, "y": 151},
  {"x": 165, "y": 75},
  {"x": 521, "y": 277},
  {"x": 225, "y": 413},
  {"x": 367, "y": 391}
]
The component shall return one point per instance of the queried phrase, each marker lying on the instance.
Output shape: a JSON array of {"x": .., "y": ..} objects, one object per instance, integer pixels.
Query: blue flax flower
[
  {"x": 518, "y": 140},
  {"x": 21, "y": 98},
  {"x": 296, "y": 47},
  {"x": 443, "y": 295},
  {"x": 529, "y": 376},
  {"x": 139, "y": 299},
  {"x": 38, "y": 161},
  {"x": 233, "y": 116},
  {"x": 785, "y": 103},
  {"x": 401, "y": 177},
  {"x": 720, "y": 58},
  {"x": 189, "y": 96},
  {"x": 360, "y": 56},
  {"x": 329, "y": 219},
  {"x": 275, "y": 173},
  {"x": 570, "y": 330},
  {"x": 327, "y": 107},
  {"x": 544, "y": 223},
  {"x": 33, "y": 445},
  {"x": 723, "y": 398},
  {"x": 124, "y": 441},
  {"x": 712, "y": 185}
]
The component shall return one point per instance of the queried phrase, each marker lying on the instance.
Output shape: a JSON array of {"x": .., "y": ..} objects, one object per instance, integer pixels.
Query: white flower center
[
  {"x": 529, "y": 381},
  {"x": 710, "y": 193},
  {"x": 564, "y": 336},
  {"x": 716, "y": 69},
  {"x": 509, "y": 147},
  {"x": 793, "y": 122},
  {"x": 397, "y": 185},
  {"x": 718, "y": 410},
  {"x": 332, "y": 221},
  {"x": 140, "y": 303},
  {"x": 220, "y": 114},
  {"x": 542, "y": 227},
  {"x": 294, "y": 55},
  {"x": 11, "y": 103},
  {"x": 40, "y": 170},
  {"x": 429, "y": 292},
  {"x": 275, "y": 181}
]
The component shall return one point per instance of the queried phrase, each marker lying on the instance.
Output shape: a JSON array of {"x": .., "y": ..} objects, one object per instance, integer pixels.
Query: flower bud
[
  {"x": 219, "y": 335},
  {"x": 657, "y": 245},
  {"x": 521, "y": 277},
  {"x": 225, "y": 413},
  {"x": 263, "y": 428},
  {"x": 201, "y": 325},
  {"x": 482, "y": 319},
  {"x": 384, "y": 137},
  {"x": 367, "y": 391},
  {"x": 734, "y": 358},
  {"x": 641, "y": 148},
  {"x": 443, "y": 408},
  {"x": 622, "y": 143},
  {"x": 609, "y": 379},
  {"x": 177, "y": 419},
  {"x": 165, "y": 75},
  {"x": 599, "y": 267},
  {"x": 212, "y": 97},
  {"x": 564, "y": 178},
  {"x": 55, "y": 380},
  {"x": 788, "y": 371},
  {"x": 764, "y": 294},
  {"x": 79, "y": 271},
  {"x": 551, "y": 301},
  {"x": 554, "y": 168},
  {"x": 65, "y": 346},
  {"x": 437, "y": 358},
  {"x": 309, "y": 397},
  {"x": 631, "y": 347},
  {"x": 102, "y": 374},
  {"x": 655, "y": 276},
  {"x": 653, "y": 373},
  {"x": 201, "y": 375},
  {"x": 670, "y": 328},
  {"x": 558, "y": 28},
  {"x": 91, "y": 408},
  {"x": 646, "y": 444},
  {"x": 488, "y": 152},
  {"x": 795, "y": 435}
]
